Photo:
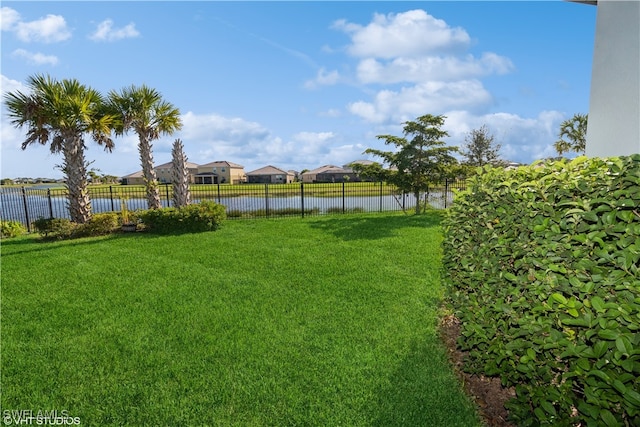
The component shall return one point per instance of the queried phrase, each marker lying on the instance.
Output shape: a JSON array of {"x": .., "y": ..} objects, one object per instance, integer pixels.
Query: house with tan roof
[
  {"x": 330, "y": 173},
  {"x": 164, "y": 172},
  {"x": 135, "y": 178},
  {"x": 220, "y": 172},
  {"x": 270, "y": 175}
]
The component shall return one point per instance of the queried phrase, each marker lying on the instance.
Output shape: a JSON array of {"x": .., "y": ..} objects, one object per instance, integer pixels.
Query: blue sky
[{"x": 298, "y": 85}]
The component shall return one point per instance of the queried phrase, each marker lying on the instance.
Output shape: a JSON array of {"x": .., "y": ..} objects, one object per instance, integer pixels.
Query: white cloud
[
  {"x": 428, "y": 68},
  {"x": 8, "y": 18},
  {"x": 408, "y": 34},
  {"x": 323, "y": 78},
  {"x": 411, "y": 102},
  {"x": 210, "y": 137},
  {"x": 49, "y": 29},
  {"x": 8, "y": 85},
  {"x": 424, "y": 54},
  {"x": 106, "y": 32},
  {"x": 219, "y": 129},
  {"x": 522, "y": 139},
  {"x": 332, "y": 112},
  {"x": 35, "y": 58}
]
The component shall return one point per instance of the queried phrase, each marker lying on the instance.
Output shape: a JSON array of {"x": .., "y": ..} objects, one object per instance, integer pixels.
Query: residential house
[
  {"x": 330, "y": 173},
  {"x": 135, "y": 178},
  {"x": 220, "y": 172},
  {"x": 270, "y": 175},
  {"x": 164, "y": 172},
  {"x": 361, "y": 162}
]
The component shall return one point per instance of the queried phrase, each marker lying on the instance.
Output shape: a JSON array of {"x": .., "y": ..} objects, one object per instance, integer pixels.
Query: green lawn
[{"x": 325, "y": 321}]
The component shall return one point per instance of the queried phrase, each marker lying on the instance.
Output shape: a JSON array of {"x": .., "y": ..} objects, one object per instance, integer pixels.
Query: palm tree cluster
[
  {"x": 63, "y": 113},
  {"x": 573, "y": 135}
]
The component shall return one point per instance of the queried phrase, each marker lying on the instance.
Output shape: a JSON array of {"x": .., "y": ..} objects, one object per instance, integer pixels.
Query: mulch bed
[{"x": 487, "y": 392}]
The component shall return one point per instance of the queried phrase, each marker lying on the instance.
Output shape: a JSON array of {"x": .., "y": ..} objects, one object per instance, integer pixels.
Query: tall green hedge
[{"x": 542, "y": 266}]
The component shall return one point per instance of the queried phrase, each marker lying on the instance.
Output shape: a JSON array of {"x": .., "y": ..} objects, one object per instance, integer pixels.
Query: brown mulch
[{"x": 488, "y": 393}]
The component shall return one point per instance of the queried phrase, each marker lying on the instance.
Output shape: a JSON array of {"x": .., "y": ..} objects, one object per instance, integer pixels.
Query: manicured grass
[
  {"x": 198, "y": 191},
  {"x": 324, "y": 321}
]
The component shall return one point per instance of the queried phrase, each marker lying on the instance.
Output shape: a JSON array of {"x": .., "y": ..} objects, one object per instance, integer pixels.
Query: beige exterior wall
[
  {"x": 237, "y": 175},
  {"x": 226, "y": 174},
  {"x": 164, "y": 174}
]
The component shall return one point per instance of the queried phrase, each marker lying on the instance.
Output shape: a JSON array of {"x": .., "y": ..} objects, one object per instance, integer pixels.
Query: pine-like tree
[{"x": 181, "y": 193}]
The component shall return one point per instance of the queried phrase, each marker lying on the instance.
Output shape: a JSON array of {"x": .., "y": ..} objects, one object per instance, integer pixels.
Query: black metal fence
[{"x": 26, "y": 204}]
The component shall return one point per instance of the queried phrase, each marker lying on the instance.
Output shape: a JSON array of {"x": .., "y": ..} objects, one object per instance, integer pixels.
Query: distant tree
[
  {"x": 299, "y": 175},
  {"x": 573, "y": 135},
  {"x": 93, "y": 174},
  {"x": 181, "y": 194},
  {"x": 109, "y": 179},
  {"x": 479, "y": 148},
  {"x": 62, "y": 113},
  {"x": 143, "y": 110},
  {"x": 6, "y": 181},
  {"x": 417, "y": 162}
]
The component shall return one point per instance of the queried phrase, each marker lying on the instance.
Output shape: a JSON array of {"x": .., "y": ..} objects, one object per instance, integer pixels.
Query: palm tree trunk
[
  {"x": 75, "y": 169},
  {"x": 148, "y": 173},
  {"x": 181, "y": 194}
]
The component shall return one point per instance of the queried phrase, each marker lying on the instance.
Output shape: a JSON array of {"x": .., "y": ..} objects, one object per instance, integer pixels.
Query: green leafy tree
[
  {"x": 480, "y": 149},
  {"x": 93, "y": 174},
  {"x": 573, "y": 135},
  {"x": 62, "y": 113},
  {"x": 144, "y": 111},
  {"x": 421, "y": 157}
]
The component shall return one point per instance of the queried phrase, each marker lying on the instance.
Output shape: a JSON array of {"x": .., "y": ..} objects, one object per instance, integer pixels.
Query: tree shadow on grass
[
  {"x": 420, "y": 393},
  {"x": 32, "y": 244},
  {"x": 374, "y": 227}
]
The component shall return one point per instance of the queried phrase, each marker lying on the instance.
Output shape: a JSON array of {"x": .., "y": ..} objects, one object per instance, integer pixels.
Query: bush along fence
[
  {"x": 542, "y": 267},
  {"x": 26, "y": 204}
]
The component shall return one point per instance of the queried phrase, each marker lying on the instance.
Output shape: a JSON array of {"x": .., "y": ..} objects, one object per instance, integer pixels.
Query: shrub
[
  {"x": 204, "y": 216},
  {"x": 55, "y": 228},
  {"x": 10, "y": 229},
  {"x": 99, "y": 225},
  {"x": 542, "y": 267}
]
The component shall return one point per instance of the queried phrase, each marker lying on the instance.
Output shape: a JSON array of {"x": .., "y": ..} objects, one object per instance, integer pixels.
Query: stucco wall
[{"x": 614, "y": 110}]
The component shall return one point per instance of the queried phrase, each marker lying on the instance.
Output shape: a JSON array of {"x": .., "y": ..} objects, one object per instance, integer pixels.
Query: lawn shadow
[
  {"x": 35, "y": 244},
  {"x": 374, "y": 227},
  {"x": 420, "y": 392}
]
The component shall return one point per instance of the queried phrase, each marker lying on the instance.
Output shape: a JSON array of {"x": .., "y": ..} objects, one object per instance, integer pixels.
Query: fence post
[
  {"x": 26, "y": 209},
  {"x": 166, "y": 190},
  {"x": 266, "y": 200},
  {"x": 50, "y": 204},
  {"x": 380, "y": 196},
  {"x": 343, "y": 200},
  {"x": 218, "y": 193},
  {"x": 446, "y": 192},
  {"x": 302, "y": 197},
  {"x": 113, "y": 208}
]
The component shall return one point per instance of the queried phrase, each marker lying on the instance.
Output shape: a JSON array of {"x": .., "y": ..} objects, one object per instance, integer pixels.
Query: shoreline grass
[{"x": 324, "y": 321}]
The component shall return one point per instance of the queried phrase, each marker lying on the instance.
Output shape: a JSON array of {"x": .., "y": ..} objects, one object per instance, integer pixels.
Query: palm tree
[
  {"x": 62, "y": 113},
  {"x": 143, "y": 110},
  {"x": 181, "y": 194},
  {"x": 573, "y": 135}
]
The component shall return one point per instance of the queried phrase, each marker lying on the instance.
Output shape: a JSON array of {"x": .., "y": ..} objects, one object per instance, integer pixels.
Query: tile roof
[{"x": 268, "y": 170}]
